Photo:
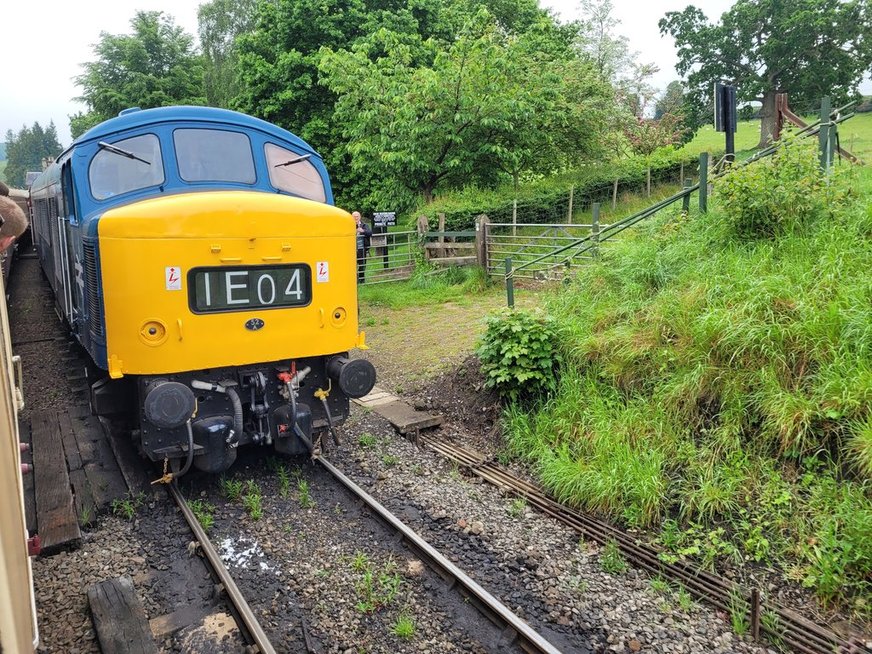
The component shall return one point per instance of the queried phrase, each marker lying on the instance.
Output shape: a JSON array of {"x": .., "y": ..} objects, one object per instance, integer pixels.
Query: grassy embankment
[{"x": 716, "y": 381}]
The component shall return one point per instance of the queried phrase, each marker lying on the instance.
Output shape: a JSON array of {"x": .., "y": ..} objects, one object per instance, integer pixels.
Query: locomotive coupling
[{"x": 355, "y": 377}]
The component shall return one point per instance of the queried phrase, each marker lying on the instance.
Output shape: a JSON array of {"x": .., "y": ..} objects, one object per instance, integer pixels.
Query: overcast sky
[{"x": 41, "y": 49}]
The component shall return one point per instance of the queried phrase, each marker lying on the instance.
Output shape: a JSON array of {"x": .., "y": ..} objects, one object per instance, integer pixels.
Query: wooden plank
[
  {"x": 119, "y": 618},
  {"x": 375, "y": 396},
  {"x": 29, "y": 490},
  {"x": 58, "y": 522},
  {"x": 134, "y": 468},
  {"x": 83, "y": 496},
  {"x": 406, "y": 419},
  {"x": 370, "y": 404},
  {"x": 98, "y": 461},
  {"x": 166, "y": 625}
]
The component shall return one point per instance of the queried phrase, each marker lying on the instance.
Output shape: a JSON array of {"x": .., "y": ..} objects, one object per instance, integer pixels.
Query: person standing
[{"x": 364, "y": 238}]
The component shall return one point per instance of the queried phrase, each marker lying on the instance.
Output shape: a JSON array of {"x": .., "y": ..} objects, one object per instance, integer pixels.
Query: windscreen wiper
[
  {"x": 124, "y": 153},
  {"x": 290, "y": 162}
]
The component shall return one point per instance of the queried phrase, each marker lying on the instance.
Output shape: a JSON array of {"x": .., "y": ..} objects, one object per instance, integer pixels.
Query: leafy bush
[
  {"x": 546, "y": 200},
  {"x": 776, "y": 195},
  {"x": 517, "y": 354}
]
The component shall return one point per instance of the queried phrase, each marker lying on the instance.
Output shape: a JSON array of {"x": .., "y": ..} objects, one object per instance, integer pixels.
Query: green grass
[
  {"x": 707, "y": 139},
  {"x": 231, "y": 488},
  {"x": 252, "y": 500},
  {"x": 855, "y": 135},
  {"x": 204, "y": 512},
  {"x": 404, "y": 627},
  {"x": 611, "y": 559},
  {"x": 427, "y": 287},
  {"x": 718, "y": 390},
  {"x": 126, "y": 507}
]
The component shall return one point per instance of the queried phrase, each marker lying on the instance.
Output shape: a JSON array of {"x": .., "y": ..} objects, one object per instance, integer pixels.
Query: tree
[
  {"x": 490, "y": 101},
  {"x": 809, "y": 48},
  {"x": 282, "y": 80},
  {"x": 219, "y": 23},
  {"x": 154, "y": 66},
  {"x": 671, "y": 101},
  {"x": 645, "y": 136},
  {"x": 26, "y": 150}
]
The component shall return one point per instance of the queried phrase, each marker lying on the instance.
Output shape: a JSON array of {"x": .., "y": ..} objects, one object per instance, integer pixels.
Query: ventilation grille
[{"x": 92, "y": 290}]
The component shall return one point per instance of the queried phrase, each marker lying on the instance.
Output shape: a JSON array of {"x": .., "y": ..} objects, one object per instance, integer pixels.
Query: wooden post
[
  {"x": 441, "y": 228},
  {"x": 649, "y": 181},
  {"x": 481, "y": 241},
  {"x": 595, "y": 228},
  {"x": 423, "y": 228},
  {"x": 824, "y": 134},
  {"x": 703, "y": 182},
  {"x": 615, "y": 195},
  {"x": 685, "y": 201},
  {"x": 682, "y": 173},
  {"x": 510, "y": 284},
  {"x": 515, "y": 217},
  {"x": 569, "y": 213},
  {"x": 755, "y": 613}
]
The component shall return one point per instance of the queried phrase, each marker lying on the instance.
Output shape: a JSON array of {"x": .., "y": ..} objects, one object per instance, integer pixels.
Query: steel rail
[
  {"x": 250, "y": 622},
  {"x": 528, "y": 639},
  {"x": 801, "y": 634}
]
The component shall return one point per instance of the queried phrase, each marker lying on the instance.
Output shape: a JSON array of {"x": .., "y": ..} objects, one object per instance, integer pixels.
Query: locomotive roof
[{"x": 133, "y": 118}]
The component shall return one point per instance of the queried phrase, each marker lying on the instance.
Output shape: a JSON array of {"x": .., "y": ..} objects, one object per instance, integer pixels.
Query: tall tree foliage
[
  {"x": 489, "y": 101},
  {"x": 154, "y": 66},
  {"x": 279, "y": 60},
  {"x": 671, "y": 102},
  {"x": 220, "y": 22},
  {"x": 612, "y": 57},
  {"x": 809, "y": 48},
  {"x": 26, "y": 150}
]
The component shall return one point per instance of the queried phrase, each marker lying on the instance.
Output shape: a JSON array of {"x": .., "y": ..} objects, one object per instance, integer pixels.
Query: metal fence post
[
  {"x": 824, "y": 134},
  {"x": 510, "y": 284},
  {"x": 595, "y": 228},
  {"x": 703, "y": 182},
  {"x": 515, "y": 217}
]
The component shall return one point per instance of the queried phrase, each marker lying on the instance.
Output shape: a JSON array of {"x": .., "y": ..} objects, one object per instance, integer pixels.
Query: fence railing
[
  {"x": 563, "y": 255},
  {"x": 539, "y": 250},
  {"x": 391, "y": 257}
]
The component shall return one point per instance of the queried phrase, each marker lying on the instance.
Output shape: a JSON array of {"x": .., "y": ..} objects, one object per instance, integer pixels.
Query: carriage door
[
  {"x": 57, "y": 212},
  {"x": 72, "y": 260}
]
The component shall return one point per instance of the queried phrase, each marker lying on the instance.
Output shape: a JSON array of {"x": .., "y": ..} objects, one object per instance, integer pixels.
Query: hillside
[{"x": 715, "y": 381}]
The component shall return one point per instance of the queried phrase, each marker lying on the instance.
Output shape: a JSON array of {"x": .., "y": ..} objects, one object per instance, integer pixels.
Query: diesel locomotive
[{"x": 196, "y": 254}]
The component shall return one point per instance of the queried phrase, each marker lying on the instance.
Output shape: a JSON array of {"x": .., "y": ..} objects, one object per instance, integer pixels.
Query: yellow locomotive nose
[{"x": 225, "y": 278}]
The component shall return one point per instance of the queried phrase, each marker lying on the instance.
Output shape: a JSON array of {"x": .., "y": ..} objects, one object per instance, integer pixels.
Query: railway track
[
  {"x": 786, "y": 627},
  {"x": 514, "y": 631},
  {"x": 245, "y": 618},
  {"x": 514, "y": 628}
]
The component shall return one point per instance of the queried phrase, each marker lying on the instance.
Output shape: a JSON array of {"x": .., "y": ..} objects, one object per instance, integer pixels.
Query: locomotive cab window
[
  {"x": 125, "y": 166},
  {"x": 292, "y": 172},
  {"x": 214, "y": 155}
]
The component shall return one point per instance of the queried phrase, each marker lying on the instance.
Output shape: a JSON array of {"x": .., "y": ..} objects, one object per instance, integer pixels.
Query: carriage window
[
  {"x": 292, "y": 172},
  {"x": 126, "y": 165},
  {"x": 214, "y": 155}
]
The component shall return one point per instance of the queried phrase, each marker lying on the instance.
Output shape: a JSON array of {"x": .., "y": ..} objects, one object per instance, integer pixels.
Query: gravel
[{"x": 532, "y": 563}]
